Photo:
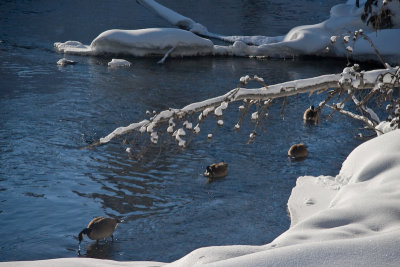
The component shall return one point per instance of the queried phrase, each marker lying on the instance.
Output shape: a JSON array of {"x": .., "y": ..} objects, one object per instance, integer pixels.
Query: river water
[{"x": 51, "y": 186}]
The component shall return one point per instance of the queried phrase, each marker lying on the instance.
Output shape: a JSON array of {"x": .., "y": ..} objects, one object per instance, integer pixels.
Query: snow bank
[
  {"x": 314, "y": 39},
  {"x": 304, "y": 40},
  {"x": 351, "y": 219},
  {"x": 144, "y": 42},
  {"x": 385, "y": 127}
]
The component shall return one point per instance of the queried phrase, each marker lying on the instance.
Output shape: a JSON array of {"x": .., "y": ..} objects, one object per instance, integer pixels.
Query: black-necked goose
[
  {"x": 216, "y": 170},
  {"x": 99, "y": 228},
  {"x": 311, "y": 115}
]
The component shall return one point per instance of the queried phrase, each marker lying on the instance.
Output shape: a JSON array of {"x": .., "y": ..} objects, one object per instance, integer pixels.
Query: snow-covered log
[{"x": 176, "y": 19}]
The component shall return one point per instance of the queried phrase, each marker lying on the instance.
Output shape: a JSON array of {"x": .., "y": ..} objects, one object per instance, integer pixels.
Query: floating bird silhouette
[{"x": 298, "y": 151}]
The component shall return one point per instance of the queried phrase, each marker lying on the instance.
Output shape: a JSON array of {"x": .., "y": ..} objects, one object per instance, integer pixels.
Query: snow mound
[
  {"x": 73, "y": 47},
  {"x": 143, "y": 42},
  {"x": 385, "y": 127},
  {"x": 345, "y": 19},
  {"x": 116, "y": 63}
]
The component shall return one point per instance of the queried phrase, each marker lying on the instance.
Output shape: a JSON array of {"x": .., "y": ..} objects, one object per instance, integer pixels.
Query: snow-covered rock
[{"x": 116, "y": 63}]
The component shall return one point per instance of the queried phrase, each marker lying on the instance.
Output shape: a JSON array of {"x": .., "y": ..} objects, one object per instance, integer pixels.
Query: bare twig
[{"x": 365, "y": 37}]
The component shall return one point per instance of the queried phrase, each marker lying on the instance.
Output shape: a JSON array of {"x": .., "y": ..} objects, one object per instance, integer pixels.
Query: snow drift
[
  {"x": 144, "y": 42},
  {"x": 353, "y": 218},
  {"x": 117, "y": 63}
]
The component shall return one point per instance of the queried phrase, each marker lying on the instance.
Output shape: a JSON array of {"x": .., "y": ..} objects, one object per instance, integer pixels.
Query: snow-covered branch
[
  {"x": 189, "y": 24},
  {"x": 348, "y": 80},
  {"x": 364, "y": 119}
]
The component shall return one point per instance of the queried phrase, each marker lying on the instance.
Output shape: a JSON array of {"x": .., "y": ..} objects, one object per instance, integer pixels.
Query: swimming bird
[
  {"x": 298, "y": 151},
  {"x": 216, "y": 170},
  {"x": 311, "y": 115},
  {"x": 99, "y": 228}
]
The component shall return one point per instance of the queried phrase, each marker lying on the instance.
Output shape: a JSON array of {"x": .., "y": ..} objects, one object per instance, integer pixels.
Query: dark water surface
[{"x": 50, "y": 187}]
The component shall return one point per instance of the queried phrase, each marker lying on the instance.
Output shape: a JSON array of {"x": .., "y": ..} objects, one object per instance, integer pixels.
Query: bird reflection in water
[{"x": 98, "y": 250}]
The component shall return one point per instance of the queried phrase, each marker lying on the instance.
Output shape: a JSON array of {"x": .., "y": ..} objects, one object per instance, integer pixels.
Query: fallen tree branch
[
  {"x": 189, "y": 24},
  {"x": 350, "y": 114}
]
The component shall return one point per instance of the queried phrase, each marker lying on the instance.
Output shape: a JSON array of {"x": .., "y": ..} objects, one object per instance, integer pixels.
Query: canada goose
[
  {"x": 216, "y": 170},
  {"x": 298, "y": 151},
  {"x": 311, "y": 115},
  {"x": 99, "y": 228}
]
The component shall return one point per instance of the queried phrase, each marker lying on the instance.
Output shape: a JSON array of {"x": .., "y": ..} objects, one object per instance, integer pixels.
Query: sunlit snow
[{"x": 117, "y": 63}]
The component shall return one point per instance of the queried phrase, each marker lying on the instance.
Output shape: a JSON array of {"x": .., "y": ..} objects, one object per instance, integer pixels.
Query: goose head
[{"x": 82, "y": 234}]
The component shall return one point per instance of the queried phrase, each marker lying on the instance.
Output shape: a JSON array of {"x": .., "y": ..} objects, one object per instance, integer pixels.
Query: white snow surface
[
  {"x": 384, "y": 127},
  {"x": 314, "y": 39},
  {"x": 73, "y": 47},
  {"x": 143, "y": 42},
  {"x": 116, "y": 63},
  {"x": 348, "y": 220}
]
